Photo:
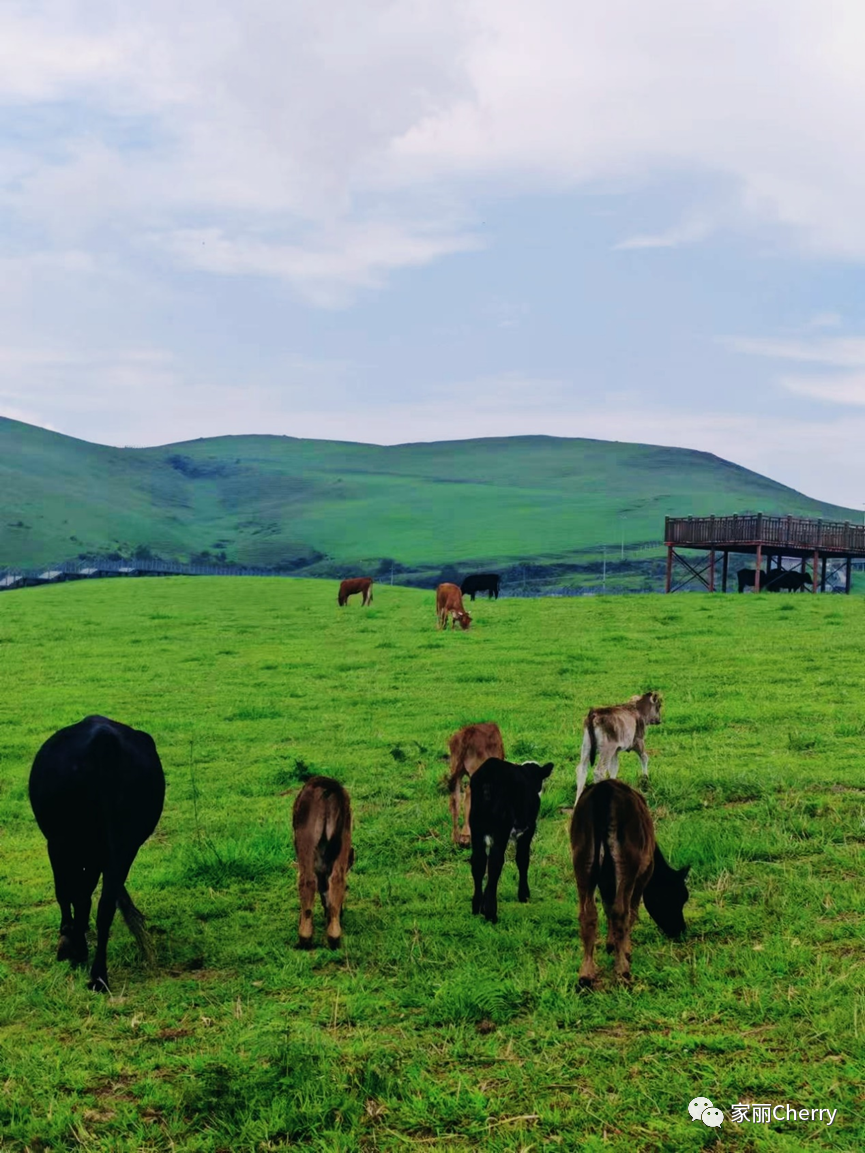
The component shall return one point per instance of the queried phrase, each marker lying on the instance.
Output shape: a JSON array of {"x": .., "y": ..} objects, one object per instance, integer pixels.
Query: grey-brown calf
[
  {"x": 617, "y": 729},
  {"x": 469, "y": 748},
  {"x": 322, "y": 840}
]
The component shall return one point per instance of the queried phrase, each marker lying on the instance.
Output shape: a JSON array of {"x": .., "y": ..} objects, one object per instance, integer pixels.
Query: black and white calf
[
  {"x": 506, "y": 800},
  {"x": 97, "y": 790}
]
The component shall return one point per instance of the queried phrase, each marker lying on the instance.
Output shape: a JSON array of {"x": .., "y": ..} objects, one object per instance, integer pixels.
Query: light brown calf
[
  {"x": 615, "y": 729},
  {"x": 322, "y": 839},
  {"x": 449, "y": 603},
  {"x": 348, "y": 588},
  {"x": 469, "y": 748}
]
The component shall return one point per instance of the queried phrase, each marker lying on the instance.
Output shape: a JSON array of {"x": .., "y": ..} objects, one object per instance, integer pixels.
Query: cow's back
[
  {"x": 611, "y": 827},
  {"x": 321, "y": 819},
  {"x": 95, "y": 774},
  {"x": 474, "y": 744}
]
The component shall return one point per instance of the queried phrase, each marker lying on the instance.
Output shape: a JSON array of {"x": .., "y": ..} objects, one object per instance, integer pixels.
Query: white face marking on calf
[{"x": 488, "y": 841}]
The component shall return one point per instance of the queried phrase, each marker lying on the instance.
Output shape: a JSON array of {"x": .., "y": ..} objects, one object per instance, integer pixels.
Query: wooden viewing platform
[{"x": 772, "y": 537}]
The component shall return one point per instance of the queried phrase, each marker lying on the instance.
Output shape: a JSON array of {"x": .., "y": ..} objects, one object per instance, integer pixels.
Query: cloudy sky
[{"x": 395, "y": 220}]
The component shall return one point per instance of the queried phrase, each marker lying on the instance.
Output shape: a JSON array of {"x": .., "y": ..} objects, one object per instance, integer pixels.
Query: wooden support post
[
  {"x": 711, "y": 570},
  {"x": 802, "y": 565},
  {"x": 815, "y": 574},
  {"x": 669, "y": 567},
  {"x": 823, "y": 576},
  {"x": 849, "y": 574},
  {"x": 757, "y": 568},
  {"x": 724, "y": 567}
]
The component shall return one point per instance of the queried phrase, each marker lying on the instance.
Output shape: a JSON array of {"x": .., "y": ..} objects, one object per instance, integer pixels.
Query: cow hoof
[
  {"x": 304, "y": 943},
  {"x": 465, "y": 842},
  {"x": 644, "y": 783},
  {"x": 68, "y": 949},
  {"x": 523, "y": 897},
  {"x": 587, "y": 983},
  {"x": 611, "y": 948},
  {"x": 334, "y": 942},
  {"x": 98, "y": 984}
]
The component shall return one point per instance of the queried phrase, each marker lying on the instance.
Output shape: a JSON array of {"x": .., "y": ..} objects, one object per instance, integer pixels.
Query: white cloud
[
  {"x": 263, "y": 121},
  {"x": 689, "y": 231},
  {"x": 840, "y": 351},
  {"x": 352, "y": 257}
]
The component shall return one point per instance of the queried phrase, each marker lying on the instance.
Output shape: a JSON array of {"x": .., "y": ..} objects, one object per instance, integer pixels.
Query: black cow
[
  {"x": 97, "y": 790},
  {"x": 787, "y": 580},
  {"x": 480, "y": 582},
  {"x": 506, "y": 800},
  {"x": 774, "y": 580}
]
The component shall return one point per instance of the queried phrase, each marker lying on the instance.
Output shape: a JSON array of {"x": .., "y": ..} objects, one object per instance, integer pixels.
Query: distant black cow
[
  {"x": 787, "y": 580},
  {"x": 97, "y": 790},
  {"x": 480, "y": 582},
  {"x": 506, "y": 800},
  {"x": 775, "y": 580}
]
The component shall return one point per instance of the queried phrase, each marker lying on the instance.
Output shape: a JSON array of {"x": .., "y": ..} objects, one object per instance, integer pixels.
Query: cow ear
[{"x": 546, "y": 770}]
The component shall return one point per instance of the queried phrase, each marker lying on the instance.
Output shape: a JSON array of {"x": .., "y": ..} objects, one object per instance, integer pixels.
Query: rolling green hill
[{"x": 318, "y": 506}]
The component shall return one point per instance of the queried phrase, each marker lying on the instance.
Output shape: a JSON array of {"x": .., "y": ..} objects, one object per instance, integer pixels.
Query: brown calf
[
  {"x": 613, "y": 730},
  {"x": 613, "y": 848},
  {"x": 354, "y": 585},
  {"x": 469, "y": 748},
  {"x": 449, "y": 603},
  {"x": 322, "y": 840}
]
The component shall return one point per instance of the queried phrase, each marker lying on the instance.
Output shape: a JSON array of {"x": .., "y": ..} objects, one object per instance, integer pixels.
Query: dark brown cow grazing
[
  {"x": 469, "y": 748},
  {"x": 449, "y": 603},
  {"x": 354, "y": 585},
  {"x": 617, "y": 729},
  {"x": 322, "y": 840},
  {"x": 613, "y": 848}
]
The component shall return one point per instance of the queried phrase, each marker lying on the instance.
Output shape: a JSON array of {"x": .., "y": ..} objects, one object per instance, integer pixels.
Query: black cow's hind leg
[
  {"x": 497, "y": 860},
  {"x": 524, "y": 849},
  {"x": 479, "y": 868},
  {"x": 68, "y": 869},
  {"x": 113, "y": 882}
]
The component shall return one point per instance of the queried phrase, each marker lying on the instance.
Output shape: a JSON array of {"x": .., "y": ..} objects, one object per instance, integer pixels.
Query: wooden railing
[{"x": 757, "y": 528}]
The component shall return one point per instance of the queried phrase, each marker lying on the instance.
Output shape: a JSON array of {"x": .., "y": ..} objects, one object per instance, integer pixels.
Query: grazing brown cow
[
  {"x": 354, "y": 585},
  {"x": 615, "y": 729},
  {"x": 469, "y": 748},
  {"x": 449, "y": 603},
  {"x": 613, "y": 848},
  {"x": 322, "y": 839}
]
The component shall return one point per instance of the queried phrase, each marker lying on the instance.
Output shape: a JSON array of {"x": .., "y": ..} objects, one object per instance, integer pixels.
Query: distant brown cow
[
  {"x": 322, "y": 839},
  {"x": 449, "y": 603},
  {"x": 613, "y": 849},
  {"x": 469, "y": 748},
  {"x": 615, "y": 729},
  {"x": 354, "y": 585}
]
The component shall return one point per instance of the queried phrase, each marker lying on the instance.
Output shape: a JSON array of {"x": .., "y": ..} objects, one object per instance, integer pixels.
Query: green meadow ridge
[{"x": 323, "y": 508}]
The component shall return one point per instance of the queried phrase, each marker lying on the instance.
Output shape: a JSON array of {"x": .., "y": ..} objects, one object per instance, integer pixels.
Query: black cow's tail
[
  {"x": 135, "y": 921},
  {"x": 593, "y": 740}
]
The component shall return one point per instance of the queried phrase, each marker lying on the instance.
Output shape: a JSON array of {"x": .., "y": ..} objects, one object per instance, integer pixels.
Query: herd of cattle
[
  {"x": 449, "y": 597},
  {"x": 97, "y": 790}
]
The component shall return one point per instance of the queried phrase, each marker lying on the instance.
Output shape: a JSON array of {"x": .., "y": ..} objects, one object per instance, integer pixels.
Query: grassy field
[
  {"x": 320, "y": 505},
  {"x": 432, "y": 1029}
]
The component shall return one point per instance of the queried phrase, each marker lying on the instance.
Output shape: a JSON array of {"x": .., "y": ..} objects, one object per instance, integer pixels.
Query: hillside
[{"x": 322, "y": 506}]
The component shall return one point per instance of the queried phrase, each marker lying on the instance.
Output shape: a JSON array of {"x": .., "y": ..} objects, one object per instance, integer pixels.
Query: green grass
[
  {"x": 320, "y": 505},
  {"x": 431, "y": 1028}
]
